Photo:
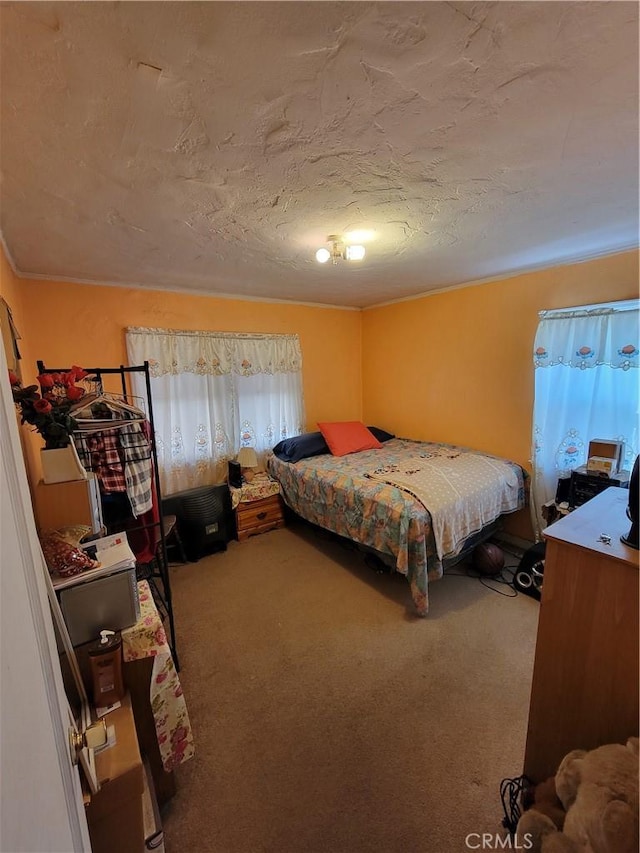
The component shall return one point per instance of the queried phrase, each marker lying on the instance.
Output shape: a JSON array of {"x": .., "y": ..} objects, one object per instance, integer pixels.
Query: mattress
[{"x": 348, "y": 495}]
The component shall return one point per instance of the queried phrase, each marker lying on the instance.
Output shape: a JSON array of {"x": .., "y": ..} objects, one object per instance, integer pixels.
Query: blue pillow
[
  {"x": 301, "y": 447},
  {"x": 381, "y": 434}
]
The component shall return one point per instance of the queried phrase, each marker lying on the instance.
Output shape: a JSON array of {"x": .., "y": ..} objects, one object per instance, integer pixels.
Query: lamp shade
[{"x": 247, "y": 457}]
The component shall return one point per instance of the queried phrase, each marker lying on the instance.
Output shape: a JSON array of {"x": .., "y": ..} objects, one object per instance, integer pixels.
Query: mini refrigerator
[{"x": 107, "y": 602}]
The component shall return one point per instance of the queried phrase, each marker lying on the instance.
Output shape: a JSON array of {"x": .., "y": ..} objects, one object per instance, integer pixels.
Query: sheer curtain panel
[
  {"x": 586, "y": 387},
  {"x": 214, "y": 392}
]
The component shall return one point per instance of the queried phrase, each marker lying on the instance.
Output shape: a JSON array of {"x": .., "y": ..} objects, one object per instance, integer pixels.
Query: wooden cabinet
[
  {"x": 585, "y": 679},
  {"x": 258, "y": 516},
  {"x": 62, "y": 504}
]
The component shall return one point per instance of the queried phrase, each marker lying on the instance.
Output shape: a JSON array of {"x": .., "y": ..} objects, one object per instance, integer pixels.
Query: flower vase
[{"x": 61, "y": 464}]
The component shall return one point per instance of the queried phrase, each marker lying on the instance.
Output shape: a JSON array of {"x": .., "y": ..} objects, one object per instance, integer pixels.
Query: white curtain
[
  {"x": 215, "y": 392},
  {"x": 586, "y": 387}
]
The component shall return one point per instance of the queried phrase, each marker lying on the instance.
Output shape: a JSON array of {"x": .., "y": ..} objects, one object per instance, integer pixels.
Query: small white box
[
  {"x": 602, "y": 465},
  {"x": 605, "y": 448}
]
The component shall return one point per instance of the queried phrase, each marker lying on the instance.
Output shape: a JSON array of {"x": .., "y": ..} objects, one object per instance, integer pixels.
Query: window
[
  {"x": 586, "y": 387},
  {"x": 213, "y": 393}
]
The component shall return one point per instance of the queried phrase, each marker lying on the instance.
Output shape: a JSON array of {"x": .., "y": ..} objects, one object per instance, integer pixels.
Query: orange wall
[
  {"x": 454, "y": 366},
  {"x": 85, "y": 324},
  {"x": 457, "y": 366}
]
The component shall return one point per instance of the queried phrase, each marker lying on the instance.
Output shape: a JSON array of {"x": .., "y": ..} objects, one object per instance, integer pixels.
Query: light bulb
[
  {"x": 354, "y": 253},
  {"x": 322, "y": 256}
]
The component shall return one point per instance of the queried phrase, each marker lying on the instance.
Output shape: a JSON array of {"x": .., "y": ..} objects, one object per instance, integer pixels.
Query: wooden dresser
[{"x": 585, "y": 677}]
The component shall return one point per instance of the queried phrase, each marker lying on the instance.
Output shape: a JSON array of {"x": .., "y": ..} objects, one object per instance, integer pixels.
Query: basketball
[{"x": 488, "y": 559}]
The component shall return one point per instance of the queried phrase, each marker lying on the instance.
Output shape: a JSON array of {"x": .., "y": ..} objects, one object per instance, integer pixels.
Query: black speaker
[
  {"x": 528, "y": 576},
  {"x": 631, "y": 537},
  {"x": 563, "y": 491},
  {"x": 235, "y": 474}
]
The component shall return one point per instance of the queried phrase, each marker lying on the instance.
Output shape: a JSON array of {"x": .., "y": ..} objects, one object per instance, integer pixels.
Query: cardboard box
[
  {"x": 114, "y": 815},
  {"x": 601, "y": 465},
  {"x": 604, "y": 448}
]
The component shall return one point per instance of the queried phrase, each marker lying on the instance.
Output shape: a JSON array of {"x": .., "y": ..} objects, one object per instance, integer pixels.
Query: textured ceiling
[{"x": 213, "y": 146}]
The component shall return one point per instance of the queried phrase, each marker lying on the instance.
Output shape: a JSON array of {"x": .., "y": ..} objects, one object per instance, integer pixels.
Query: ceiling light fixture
[{"x": 339, "y": 251}]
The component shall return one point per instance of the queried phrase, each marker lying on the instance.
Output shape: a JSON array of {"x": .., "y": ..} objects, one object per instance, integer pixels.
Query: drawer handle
[{"x": 261, "y": 515}]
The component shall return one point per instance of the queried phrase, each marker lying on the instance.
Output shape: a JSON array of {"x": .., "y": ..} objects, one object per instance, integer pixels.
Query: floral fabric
[
  {"x": 147, "y": 638},
  {"x": 589, "y": 337},
  {"x": 336, "y": 493},
  {"x": 462, "y": 491},
  {"x": 215, "y": 353},
  {"x": 262, "y": 486}
]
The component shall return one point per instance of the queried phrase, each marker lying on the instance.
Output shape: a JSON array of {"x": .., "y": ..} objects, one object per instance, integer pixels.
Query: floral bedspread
[
  {"x": 337, "y": 493},
  {"x": 463, "y": 492},
  {"x": 147, "y": 638}
]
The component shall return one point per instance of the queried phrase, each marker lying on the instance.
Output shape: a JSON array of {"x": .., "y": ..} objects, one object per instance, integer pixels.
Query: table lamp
[{"x": 248, "y": 462}]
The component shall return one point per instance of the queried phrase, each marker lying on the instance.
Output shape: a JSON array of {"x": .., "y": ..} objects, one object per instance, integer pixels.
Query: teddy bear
[
  {"x": 543, "y": 798},
  {"x": 599, "y": 792}
]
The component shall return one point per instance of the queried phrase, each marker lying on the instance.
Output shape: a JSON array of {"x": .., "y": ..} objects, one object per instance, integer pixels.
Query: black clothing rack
[{"x": 160, "y": 565}]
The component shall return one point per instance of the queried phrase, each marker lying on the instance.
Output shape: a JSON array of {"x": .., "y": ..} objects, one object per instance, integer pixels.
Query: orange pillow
[{"x": 345, "y": 437}]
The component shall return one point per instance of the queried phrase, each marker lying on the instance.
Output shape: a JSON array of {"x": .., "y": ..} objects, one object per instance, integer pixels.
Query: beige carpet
[{"x": 327, "y": 718}]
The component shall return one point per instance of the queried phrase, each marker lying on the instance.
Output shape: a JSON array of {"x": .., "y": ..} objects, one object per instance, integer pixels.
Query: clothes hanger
[{"x": 83, "y": 410}]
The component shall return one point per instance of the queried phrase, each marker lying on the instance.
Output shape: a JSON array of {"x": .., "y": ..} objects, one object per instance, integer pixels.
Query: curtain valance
[
  {"x": 171, "y": 351},
  {"x": 589, "y": 337}
]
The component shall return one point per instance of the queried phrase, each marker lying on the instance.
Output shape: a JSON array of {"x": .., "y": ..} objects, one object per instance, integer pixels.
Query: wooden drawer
[{"x": 259, "y": 516}]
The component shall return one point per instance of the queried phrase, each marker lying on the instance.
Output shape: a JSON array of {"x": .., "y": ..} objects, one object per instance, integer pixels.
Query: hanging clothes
[
  {"x": 121, "y": 458},
  {"x": 100, "y": 452},
  {"x": 138, "y": 469},
  {"x": 122, "y": 461}
]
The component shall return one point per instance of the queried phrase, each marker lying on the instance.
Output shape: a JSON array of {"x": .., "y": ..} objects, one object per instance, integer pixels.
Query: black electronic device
[
  {"x": 204, "y": 518},
  {"x": 530, "y": 571},
  {"x": 631, "y": 538},
  {"x": 563, "y": 490},
  {"x": 235, "y": 474},
  {"x": 586, "y": 485}
]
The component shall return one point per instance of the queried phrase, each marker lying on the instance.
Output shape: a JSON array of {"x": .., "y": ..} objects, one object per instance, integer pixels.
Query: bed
[{"x": 377, "y": 498}]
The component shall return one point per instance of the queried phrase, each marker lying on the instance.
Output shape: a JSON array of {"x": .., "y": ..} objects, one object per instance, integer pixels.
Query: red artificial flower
[
  {"x": 13, "y": 379},
  {"x": 78, "y": 372},
  {"x": 45, "y": 380},
  {"x": 43, "y": 407},
  {"x": 56, "y": 378},
  {"x": 74, "y": 393}
]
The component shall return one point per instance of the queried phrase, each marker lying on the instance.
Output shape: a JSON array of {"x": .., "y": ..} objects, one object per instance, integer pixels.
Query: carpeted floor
[{"x": 327, "y": 718}]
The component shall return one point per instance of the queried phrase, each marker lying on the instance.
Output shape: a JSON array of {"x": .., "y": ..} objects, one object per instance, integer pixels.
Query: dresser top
[{"x": 605, "y": 514}]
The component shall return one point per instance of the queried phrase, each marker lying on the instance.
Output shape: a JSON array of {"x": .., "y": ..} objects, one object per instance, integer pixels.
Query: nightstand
[
  {"x": 257, "y": 506},
  {"x": 258, "y": 516}
]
